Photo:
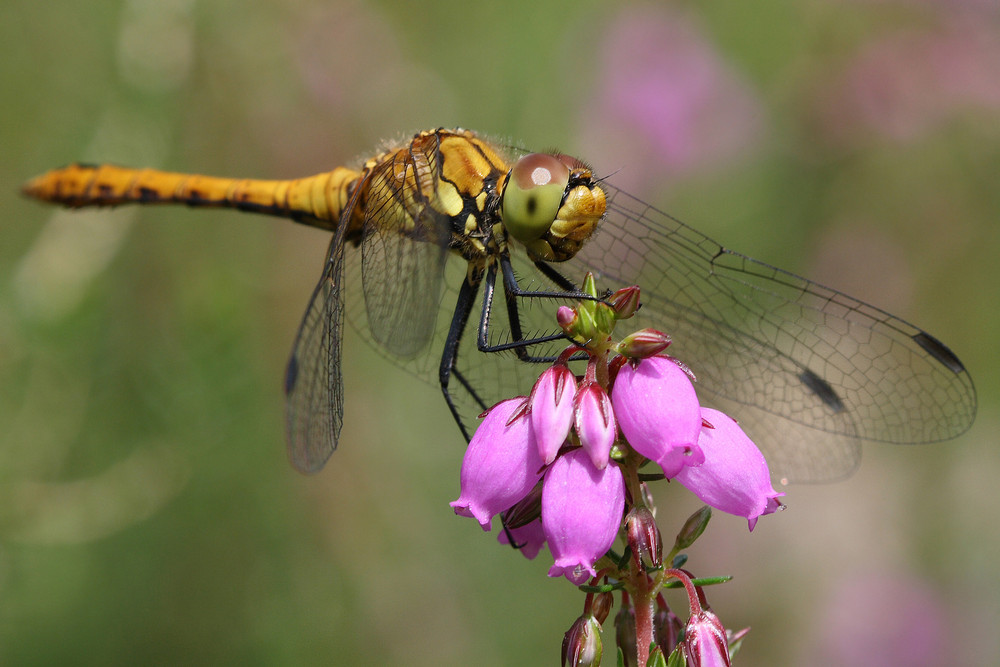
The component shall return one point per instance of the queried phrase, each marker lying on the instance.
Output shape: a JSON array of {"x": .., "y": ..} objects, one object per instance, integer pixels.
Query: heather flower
[
  {"x": 705, "y": 642},
  {"x": 551, "y": 408},
  {"x": 595, "y": 422},
  {"x": 734, "y": 476},
  {"x": 550, "y": 464},
  {"x": 658, "y": 412},
  {"x": 529, "y": 538},
  {"x": 501, "y": 464},
  {"x": 581, "y": 512}
]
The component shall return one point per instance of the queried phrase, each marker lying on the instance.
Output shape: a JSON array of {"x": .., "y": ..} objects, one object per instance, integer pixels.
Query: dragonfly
[{"x": 423, "y": 231}]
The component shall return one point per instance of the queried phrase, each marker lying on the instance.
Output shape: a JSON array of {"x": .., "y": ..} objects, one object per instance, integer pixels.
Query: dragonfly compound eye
[{"x": 533, "y": 195}]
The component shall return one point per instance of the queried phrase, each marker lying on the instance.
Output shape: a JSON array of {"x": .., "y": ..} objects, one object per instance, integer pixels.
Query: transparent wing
[
  {"x": 813, "y": 367},
  {"x": 314, "y": 386},
  {"x": 403, "y": 250},
  {"x": 765, "y": 337}
]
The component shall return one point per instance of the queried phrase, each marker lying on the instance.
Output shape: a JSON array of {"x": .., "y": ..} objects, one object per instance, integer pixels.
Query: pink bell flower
[
  {"x": 529, "y": 538},
  {"x": 658, "y": 413},
  {"x": 581, "y": 512},
  {"x": 501, "y": 464},
  {"x": 595, "y": 423},
  {"x": 551, "y": 408},
  {"x": 734, "y": 477}
]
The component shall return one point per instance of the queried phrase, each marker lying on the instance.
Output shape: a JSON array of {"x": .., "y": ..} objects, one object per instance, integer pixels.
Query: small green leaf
[
  {"x": 700, "y": 581},
  {"x": 602, "y": 588}
]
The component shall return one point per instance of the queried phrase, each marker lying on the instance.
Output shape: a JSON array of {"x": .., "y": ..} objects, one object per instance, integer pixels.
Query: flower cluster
[{"x": 561, "y": 465}]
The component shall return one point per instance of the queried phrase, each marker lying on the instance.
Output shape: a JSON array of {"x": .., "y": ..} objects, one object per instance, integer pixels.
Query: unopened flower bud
[
  {"x": 566, "y": 317},
  {"x": 643, "y": 343},
  {"x": 625, "y": 633},
  {"x": 582, "y": 643},
  {"x": 705, "y": 642},
  {"x": 601, "y": 606},
  {"x": 693, "y": 528},
  {"x": 644, "y": 537},
  {"x": 667, "y": 628},
  {"x": 625, "y": 302}
]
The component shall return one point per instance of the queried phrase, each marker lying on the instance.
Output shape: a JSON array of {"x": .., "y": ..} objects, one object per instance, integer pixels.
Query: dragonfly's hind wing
[{"x": 314, "y": 386}]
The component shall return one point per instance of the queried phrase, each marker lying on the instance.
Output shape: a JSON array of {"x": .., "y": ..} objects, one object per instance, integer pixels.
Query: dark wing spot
[
  {"x": 939, "y": 351},
  {"x": 822, "y": 388},
  {"x": 291, "y": 375}
]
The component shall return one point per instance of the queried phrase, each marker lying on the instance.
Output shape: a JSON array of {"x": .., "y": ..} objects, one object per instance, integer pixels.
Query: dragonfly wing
[
  {"x": 782, "y": 345},
  {"x": 404, "y": 248},
  {"x": 314, "y": 386}
]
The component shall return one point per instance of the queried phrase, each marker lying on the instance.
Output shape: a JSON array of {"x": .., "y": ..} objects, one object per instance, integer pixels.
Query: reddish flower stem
[{"x": 642, "y": 602}]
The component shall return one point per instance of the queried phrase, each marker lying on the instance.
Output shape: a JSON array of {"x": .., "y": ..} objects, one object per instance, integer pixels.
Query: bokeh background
[{"x": 147, "y": 512}]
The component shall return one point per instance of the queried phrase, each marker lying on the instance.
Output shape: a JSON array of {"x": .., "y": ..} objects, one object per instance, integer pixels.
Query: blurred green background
[{"x": 147, "y": 511}]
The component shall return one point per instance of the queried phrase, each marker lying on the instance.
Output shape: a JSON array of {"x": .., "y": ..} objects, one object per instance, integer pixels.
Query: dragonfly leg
[
  {"x": 449, "y": 357},
  {"x": 518, "y": 343}
]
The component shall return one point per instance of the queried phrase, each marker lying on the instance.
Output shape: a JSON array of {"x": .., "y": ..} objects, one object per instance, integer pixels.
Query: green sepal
[
  {"x": 656, "y": 658},
  {"x": 676, "y": 658}
]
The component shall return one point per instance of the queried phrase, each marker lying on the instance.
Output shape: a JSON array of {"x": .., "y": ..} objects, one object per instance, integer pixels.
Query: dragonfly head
[{"x": 551, "y": 205}]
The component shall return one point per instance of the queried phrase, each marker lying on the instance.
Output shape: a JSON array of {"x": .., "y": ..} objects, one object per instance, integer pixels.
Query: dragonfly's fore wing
[
  {"x": 314, "y": 386},
  {"x": 787, "y": 347},
  {"x": 403, "y": 249}
]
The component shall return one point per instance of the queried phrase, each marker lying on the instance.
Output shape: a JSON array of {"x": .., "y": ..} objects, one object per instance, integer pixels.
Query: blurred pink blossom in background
[
  {"x": 906, "y": 84},
  {"x": 667, "y": 100},
  {"x": 884, "y": 619}
]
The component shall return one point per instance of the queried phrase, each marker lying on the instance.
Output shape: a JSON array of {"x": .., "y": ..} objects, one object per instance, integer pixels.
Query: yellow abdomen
[{"x": 316, "y": 200}]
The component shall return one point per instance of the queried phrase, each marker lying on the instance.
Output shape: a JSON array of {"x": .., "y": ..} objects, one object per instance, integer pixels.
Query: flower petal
[
  {"x": 501, "y": 465},
  {"x": 530, "y": 538},
  {"x": 658, "y": 412},
  {"x": 734, "y": 477},
  {"x": 552, "y": 409},
  {"x": 581, "y": 512},
  {"x": 595, "y": 423}
]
